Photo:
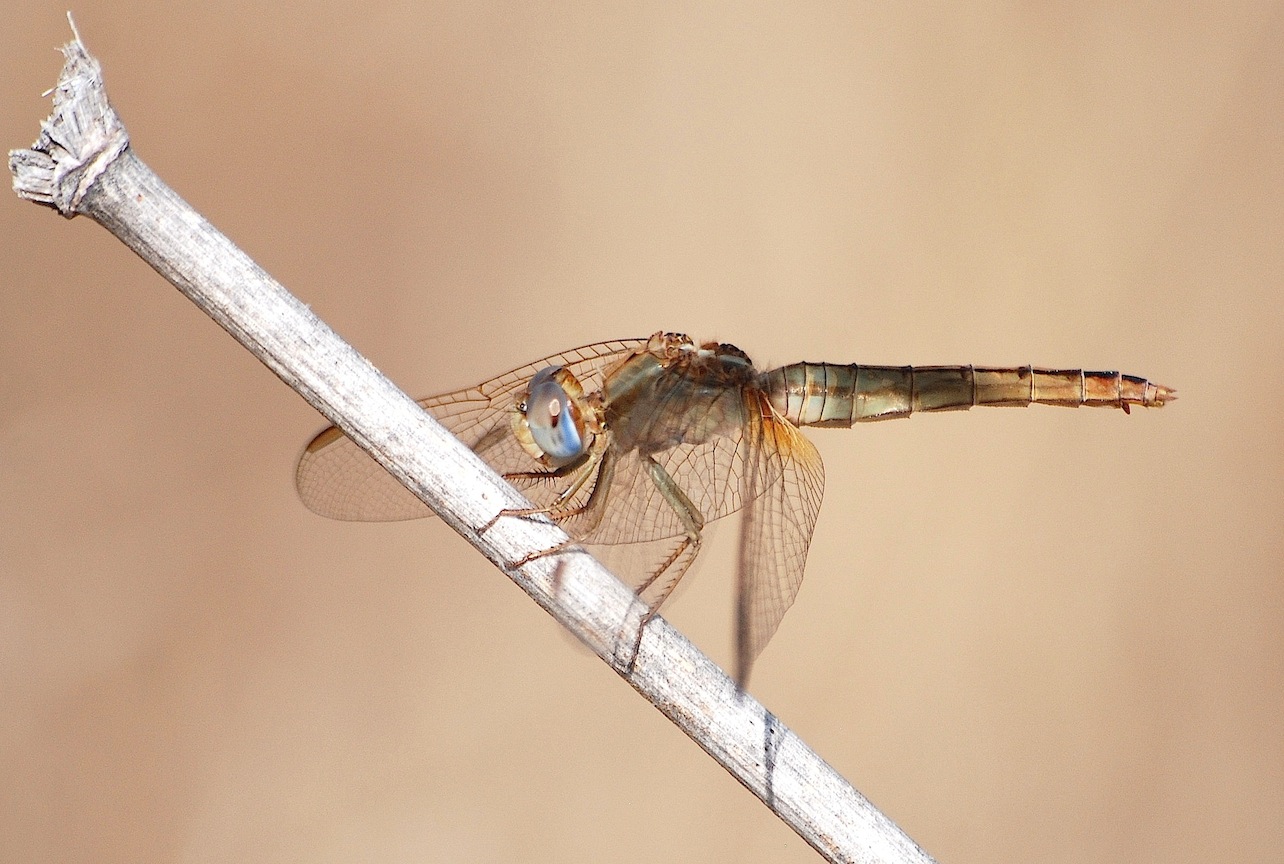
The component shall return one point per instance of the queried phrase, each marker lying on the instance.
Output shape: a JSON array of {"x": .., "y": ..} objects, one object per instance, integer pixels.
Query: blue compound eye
[{"x": 554, "y": 419}]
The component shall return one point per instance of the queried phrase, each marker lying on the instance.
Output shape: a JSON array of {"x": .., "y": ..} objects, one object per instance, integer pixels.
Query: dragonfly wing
[
  {"x": 336, "y": 478},
  {"x": 762, "y": 464},
  {"x": 783, "y": 480}
]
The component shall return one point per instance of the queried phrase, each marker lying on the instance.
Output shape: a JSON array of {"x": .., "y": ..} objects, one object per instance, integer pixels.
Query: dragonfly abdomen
[{"x": 826, "y": 394}]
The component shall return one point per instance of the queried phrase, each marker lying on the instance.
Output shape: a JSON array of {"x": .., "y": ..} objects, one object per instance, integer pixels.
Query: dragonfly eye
[{"x": 553, "y": 417}]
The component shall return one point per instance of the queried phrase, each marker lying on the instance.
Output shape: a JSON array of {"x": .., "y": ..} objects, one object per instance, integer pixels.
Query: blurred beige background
[{"x": 1039, "y": 635}]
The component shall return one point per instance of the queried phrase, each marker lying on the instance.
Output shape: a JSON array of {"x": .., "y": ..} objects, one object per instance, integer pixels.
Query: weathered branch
[{"x": 82, "y": 164}]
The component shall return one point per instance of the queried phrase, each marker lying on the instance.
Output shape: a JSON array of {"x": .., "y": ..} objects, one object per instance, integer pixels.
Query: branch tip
[{"x": 78, "y": 141}]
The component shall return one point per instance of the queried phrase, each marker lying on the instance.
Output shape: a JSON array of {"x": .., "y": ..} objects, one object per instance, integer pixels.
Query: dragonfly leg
[
  {"x": 595, "y": 506},
  {"x": 660, "y": 584},
  {"x": 558, "y": 510},
  {"x": 543, "y": 553}
]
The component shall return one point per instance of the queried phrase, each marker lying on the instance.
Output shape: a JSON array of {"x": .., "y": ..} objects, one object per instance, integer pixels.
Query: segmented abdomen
[{"x": 825, "y": 394}]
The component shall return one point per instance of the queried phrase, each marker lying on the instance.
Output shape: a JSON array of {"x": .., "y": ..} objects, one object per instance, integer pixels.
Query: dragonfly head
[{"x": 551, "y": 421}]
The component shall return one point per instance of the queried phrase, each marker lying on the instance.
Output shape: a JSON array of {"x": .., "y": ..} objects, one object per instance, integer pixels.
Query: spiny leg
[
  {"x": 595, "y": 506},
  {"x": 660, "y": 584},
  {"x": 558, "y": 510}
]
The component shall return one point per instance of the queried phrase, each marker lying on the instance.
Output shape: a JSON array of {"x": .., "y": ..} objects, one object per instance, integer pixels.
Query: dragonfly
[{"x": 634, "y": 446}]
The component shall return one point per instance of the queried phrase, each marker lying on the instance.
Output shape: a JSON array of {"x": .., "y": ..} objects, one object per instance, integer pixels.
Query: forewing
[
  {"x": 784, "y": 480},
  {"x": 336, "y": 478}
]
